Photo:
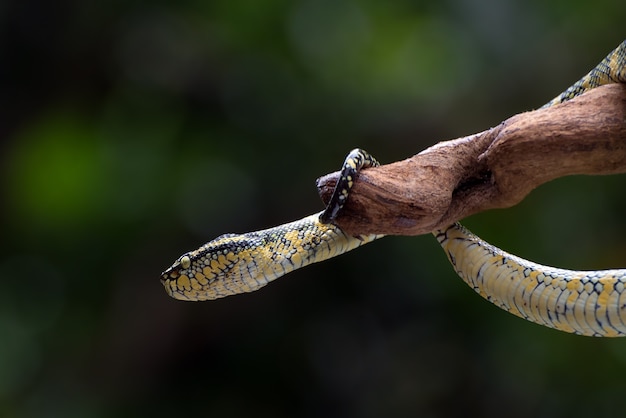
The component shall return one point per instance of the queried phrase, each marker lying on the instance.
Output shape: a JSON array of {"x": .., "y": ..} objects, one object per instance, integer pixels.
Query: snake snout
[{"x": 169, "y": 274}]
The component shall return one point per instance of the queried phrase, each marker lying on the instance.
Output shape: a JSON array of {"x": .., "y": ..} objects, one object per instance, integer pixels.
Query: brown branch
[{"x": 496, "y": 168}]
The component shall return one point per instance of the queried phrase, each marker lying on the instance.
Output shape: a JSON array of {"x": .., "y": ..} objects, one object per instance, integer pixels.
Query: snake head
[
  {"x": 241, "y": 263},
  {"x": 169, "y": 278},
  {"x": 222, "y": 267}
]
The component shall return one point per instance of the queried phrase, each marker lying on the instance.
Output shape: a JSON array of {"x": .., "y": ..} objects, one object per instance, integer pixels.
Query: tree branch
[{"x": 496, "y": 168}]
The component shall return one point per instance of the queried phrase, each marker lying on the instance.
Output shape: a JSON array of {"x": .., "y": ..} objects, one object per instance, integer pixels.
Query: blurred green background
[{"x": 133, "y": 131}]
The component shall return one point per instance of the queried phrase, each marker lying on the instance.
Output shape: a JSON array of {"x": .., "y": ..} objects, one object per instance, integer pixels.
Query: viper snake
[{"x": 582, "y": 302}]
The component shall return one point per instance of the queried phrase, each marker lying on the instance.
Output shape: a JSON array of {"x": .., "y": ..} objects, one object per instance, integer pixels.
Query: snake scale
[{"x": 582, "y": 302}]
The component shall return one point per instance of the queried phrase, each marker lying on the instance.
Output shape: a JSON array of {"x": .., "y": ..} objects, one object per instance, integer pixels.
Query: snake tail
[{"x": 356, "y": 160}]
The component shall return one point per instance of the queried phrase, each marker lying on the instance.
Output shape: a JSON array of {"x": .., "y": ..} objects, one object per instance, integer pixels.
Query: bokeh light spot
[{"x": 56, "y": 177}]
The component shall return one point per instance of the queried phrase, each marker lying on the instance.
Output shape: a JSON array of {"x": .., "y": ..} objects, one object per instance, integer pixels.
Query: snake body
[
  {"x": 587, "y": 303},
  {"x": 582, "y": 302},
  {"x": 240, "y": 263}
]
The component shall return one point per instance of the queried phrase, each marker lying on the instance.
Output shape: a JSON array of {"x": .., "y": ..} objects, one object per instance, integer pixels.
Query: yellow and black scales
[{"x": 583, "y": 302}]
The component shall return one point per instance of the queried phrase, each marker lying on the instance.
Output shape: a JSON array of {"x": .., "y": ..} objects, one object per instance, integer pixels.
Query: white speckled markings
[{"x": 589, "y": 303}]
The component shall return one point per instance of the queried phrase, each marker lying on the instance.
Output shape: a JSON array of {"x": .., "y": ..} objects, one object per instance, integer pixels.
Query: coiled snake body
[{"x": 587, "y": 303}]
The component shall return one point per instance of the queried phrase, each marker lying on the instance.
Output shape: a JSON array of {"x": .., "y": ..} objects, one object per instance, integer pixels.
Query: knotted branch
[{"x": 496, "y": 168}]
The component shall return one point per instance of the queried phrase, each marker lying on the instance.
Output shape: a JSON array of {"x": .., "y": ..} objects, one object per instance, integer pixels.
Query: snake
[{"x": 590, "y": 303}]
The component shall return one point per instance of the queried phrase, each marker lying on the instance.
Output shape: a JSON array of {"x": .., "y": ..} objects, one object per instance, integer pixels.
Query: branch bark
[{"x": 496, "y": 168}]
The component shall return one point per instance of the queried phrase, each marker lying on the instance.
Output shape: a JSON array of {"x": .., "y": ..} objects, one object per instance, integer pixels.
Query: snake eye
[{"x": 185, "y": 261}]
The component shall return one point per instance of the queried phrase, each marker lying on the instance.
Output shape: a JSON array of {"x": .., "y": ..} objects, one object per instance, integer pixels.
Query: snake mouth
[
  {"x": 168, "y": 279},
  {"x": 169, "y": 274}
]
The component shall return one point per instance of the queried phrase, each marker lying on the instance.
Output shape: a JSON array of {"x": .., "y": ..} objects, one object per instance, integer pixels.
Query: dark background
[{"x": 133, "y": 131}]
